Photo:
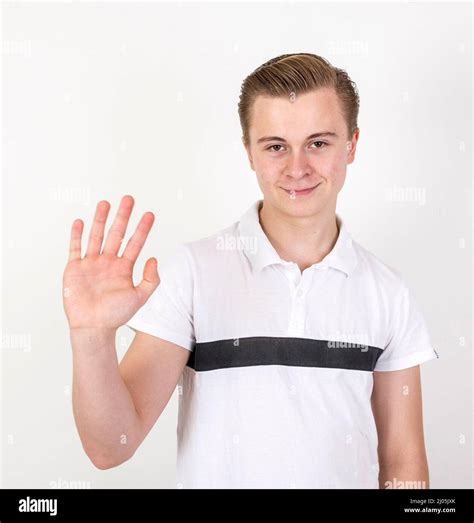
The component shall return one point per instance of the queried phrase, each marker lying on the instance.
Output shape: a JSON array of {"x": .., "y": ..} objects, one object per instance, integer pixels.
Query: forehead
[{"x": 315, "y": 111}]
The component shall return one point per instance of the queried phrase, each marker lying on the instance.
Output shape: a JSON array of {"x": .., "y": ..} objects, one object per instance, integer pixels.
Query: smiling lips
[{"x": 301, "y": 192}]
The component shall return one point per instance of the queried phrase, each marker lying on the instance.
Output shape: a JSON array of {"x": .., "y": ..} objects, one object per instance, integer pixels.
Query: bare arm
[
  {"x": 114, "y": 405},
  {"x": 151, "y": 369},
  {"x": 397, "y": 407}
]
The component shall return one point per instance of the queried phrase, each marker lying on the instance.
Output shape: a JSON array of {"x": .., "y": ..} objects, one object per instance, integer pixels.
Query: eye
[
  {"x": 273, "y": 150},
  {"x": 322, "y": 144}
]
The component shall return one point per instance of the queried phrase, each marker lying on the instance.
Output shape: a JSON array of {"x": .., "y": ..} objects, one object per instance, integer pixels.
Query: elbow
[
  {"x": 102, "y": 464},
  {"x": 104, "y": 458},
  {"x": 108, "y": 462}
]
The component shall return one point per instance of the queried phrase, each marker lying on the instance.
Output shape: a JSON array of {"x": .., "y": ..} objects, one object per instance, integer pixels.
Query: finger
[
  {"x": 119, "y": 226},
  {"x": 97, "y": 230},
  {"x": 150, "y": 280},
  {"x": 75, "y": 243},
  {"x": 137, "y": 240}
]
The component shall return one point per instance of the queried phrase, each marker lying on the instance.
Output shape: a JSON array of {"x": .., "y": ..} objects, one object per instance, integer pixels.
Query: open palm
[{"x": 98, "y": 290}]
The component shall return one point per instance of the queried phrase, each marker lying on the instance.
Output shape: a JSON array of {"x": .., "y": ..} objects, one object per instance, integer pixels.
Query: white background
[{"x": 106, "y": 99}]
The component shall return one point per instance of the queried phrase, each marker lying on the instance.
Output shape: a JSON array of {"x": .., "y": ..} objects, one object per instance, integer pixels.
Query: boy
[{"x": 296, "y": 350}]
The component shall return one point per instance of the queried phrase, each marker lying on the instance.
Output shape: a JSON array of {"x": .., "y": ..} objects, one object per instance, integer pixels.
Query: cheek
[
  {"x": 333, "y": 168},
  {"x": 268, "y": 169}
]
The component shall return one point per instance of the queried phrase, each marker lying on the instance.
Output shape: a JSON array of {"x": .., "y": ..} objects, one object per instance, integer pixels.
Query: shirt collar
[{"x": 260, "y": 251}]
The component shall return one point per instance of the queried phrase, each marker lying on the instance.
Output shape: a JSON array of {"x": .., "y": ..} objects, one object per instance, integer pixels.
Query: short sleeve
[
  {"x": 168, "y": 312},
  {"x": 409, "y": 341}
]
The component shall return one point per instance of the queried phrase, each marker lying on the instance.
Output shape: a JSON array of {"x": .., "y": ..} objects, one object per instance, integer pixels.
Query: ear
[
  {"x": 351, "y": 146},
  {"x": 249, "y": 154}
]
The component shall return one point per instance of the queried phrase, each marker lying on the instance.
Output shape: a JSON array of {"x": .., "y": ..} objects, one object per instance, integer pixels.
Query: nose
[{"x": 298, "y": 165}]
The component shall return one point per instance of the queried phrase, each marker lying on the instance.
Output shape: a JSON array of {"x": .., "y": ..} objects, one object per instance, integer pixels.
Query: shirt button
[{"x": 299, "y": 293}]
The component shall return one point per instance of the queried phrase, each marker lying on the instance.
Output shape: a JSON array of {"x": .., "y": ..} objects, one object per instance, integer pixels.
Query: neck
[{"x": 304, "y": 240}]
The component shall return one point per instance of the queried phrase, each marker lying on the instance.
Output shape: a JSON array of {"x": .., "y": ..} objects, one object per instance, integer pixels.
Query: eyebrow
[{"x": 310, "y": 137}]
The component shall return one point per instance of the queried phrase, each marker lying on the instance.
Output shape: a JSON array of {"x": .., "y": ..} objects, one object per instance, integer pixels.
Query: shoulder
[
  {"x": 214, "y": 246},
  {"x": 372, "y": 270}
]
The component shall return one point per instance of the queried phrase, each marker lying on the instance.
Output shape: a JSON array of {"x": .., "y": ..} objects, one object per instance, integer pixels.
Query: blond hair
[{"x": 297, "y": 73}]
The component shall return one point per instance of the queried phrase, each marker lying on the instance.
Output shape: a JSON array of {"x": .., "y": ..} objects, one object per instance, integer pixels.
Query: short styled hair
[{"x": 297, "y": 73}]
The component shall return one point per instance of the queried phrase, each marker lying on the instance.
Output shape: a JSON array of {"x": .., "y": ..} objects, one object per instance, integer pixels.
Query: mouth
[{"x": 302, "y": 192}]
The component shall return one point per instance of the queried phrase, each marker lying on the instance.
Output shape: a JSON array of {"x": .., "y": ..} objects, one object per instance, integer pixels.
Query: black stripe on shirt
[{"x": 297, "y": 352}]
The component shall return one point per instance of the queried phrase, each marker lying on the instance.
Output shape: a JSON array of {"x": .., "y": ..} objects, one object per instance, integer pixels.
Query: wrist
[{"x": 96, "y": 335}]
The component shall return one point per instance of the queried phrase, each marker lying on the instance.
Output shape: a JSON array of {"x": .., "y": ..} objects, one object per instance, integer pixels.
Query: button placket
[{"x": 297, "y": 319}]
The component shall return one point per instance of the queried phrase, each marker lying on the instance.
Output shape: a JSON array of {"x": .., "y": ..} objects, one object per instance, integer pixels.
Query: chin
[{"x": 299, "y": 207}]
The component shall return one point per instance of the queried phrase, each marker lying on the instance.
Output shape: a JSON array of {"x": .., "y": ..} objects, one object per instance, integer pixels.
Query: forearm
[
  {"x": 412, "y": 474},
  {"x": 104, "y": 412}
]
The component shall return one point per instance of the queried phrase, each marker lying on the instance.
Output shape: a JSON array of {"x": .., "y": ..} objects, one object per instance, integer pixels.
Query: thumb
[{"x": 150, "y": 280}]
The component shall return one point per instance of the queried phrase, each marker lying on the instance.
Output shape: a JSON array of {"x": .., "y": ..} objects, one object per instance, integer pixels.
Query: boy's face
[{"x": 292, "y": 160}]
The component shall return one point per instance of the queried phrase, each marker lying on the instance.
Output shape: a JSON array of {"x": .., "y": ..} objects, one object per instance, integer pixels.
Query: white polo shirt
[{"x": 276, "y": 392}]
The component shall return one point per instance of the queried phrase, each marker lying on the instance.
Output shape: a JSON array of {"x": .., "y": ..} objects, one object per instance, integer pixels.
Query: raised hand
[{"x": 98, "y": 290}]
